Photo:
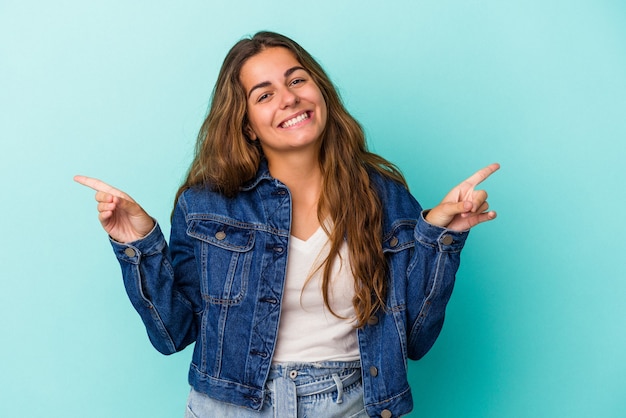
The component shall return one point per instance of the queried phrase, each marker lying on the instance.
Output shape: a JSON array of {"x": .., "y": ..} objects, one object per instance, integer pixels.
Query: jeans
[{"x": 293, "y": 390}]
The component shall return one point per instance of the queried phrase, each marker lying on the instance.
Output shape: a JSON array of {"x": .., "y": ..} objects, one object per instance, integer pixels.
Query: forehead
[{"x": 267, "y": 65}]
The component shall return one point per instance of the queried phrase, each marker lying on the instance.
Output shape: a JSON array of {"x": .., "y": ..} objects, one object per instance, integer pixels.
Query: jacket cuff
[
  {"x": 445, "y": 239},
  {"x": 132, "y": 252}
]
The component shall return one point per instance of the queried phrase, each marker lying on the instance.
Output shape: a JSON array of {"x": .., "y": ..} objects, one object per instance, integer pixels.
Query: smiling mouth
[{"x": 296, "y": 120}]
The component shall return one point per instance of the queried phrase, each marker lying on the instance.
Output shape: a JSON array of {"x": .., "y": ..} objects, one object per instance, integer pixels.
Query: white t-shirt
[{"x": 308, "y": 331}]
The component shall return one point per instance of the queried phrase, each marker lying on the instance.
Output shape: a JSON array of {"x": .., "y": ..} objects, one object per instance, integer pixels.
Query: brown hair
[{"x": 225, "y": 159}]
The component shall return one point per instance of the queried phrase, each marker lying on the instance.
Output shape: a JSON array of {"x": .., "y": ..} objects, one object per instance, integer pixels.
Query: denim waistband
[
  {"x": 289, "y": 381},
  {"x": 312, "y": 370}
]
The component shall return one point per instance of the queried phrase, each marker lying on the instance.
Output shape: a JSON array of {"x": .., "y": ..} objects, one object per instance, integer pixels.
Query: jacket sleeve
[
  {"x": 431, "y": 277},
  {"x": 167, "y": 298}
]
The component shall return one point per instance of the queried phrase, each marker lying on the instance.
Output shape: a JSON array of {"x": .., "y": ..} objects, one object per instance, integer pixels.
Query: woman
[{"x": 298, "y": 262}]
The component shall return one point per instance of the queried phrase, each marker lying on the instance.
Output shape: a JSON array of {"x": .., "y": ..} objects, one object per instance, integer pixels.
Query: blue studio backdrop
[{"x": 118, "y": 89}]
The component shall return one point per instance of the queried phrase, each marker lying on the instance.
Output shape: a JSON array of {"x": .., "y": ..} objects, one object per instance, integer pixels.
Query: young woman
[{"x": 298, "y": 262}]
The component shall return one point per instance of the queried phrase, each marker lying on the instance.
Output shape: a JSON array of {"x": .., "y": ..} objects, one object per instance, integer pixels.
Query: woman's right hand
[{"x": 121, "y": 217}]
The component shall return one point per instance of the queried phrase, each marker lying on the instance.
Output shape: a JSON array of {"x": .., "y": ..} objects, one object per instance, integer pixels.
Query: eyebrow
[{"x": 264, "y": 84}]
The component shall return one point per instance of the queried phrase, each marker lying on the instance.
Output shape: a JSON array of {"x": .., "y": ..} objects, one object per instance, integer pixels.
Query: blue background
[{"x": 117, "y": 90}]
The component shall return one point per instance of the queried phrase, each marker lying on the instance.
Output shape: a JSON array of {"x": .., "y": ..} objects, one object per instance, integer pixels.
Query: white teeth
[{"x": 295, "y": 120}]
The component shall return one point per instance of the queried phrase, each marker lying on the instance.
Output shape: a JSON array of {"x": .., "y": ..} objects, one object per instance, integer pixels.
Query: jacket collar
[{"x": 263, "y": 173}]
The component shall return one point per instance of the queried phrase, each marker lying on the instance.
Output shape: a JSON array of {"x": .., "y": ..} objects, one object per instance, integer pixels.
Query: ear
[{"x": 250, "y": 133}]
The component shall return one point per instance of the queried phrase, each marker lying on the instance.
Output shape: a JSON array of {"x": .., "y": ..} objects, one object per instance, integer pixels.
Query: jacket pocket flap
[{"x": 222, "y": 235}]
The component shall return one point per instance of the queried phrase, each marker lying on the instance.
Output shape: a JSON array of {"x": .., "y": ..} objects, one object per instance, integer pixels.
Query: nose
[{"x": 289, "y": 98}]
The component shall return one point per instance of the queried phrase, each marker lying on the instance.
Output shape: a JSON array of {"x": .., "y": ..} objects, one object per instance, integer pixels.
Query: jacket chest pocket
[{"x": 226, "y": 256}]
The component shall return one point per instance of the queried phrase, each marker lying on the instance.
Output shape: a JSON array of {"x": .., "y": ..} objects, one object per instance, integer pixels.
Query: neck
[{"x": 297, "y": 171}]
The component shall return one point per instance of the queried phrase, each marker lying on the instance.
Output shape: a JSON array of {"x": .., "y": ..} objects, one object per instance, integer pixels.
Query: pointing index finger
[
  {"x": 100, "y": 186},
  {"x": 482, "y": 174}
]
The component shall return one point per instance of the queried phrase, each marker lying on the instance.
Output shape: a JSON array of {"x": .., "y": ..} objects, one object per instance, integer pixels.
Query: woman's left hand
[{"x": 463, "y": 207}]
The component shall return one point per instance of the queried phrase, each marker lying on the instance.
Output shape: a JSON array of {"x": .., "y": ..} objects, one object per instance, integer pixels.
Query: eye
[
  {"x": 263, "y": 97},
  {"x": 297, "y": 81}
]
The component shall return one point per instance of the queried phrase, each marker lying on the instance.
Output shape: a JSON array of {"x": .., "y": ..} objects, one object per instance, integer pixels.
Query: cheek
[
  {"x": 255, "y": 120},
  {"x": 323, "y": 107},
  {"x": 324, "y": 112}
]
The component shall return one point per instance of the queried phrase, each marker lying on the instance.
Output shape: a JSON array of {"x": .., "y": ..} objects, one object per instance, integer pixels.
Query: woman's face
[{"x": 285, "y": 107}]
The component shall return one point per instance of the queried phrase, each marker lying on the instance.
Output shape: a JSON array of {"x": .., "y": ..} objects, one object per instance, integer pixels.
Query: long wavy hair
[{"x": 225, "y": 159}]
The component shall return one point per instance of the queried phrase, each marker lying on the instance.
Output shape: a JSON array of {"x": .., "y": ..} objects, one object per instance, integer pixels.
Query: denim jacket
[{"x": 220, "y": 281}]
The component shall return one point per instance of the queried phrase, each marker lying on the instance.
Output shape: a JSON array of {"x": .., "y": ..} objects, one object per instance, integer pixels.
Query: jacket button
[
  {"x": 220, "y": 235},
  {"x": 385, "y": 413},
  {"x": 393, "y": 242},
  {"x": 373, "y": 371},
  {"x": 447, "y": 240},
  {"x": 373, "y": 320},
  {"x": 130, "y": 252}
]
